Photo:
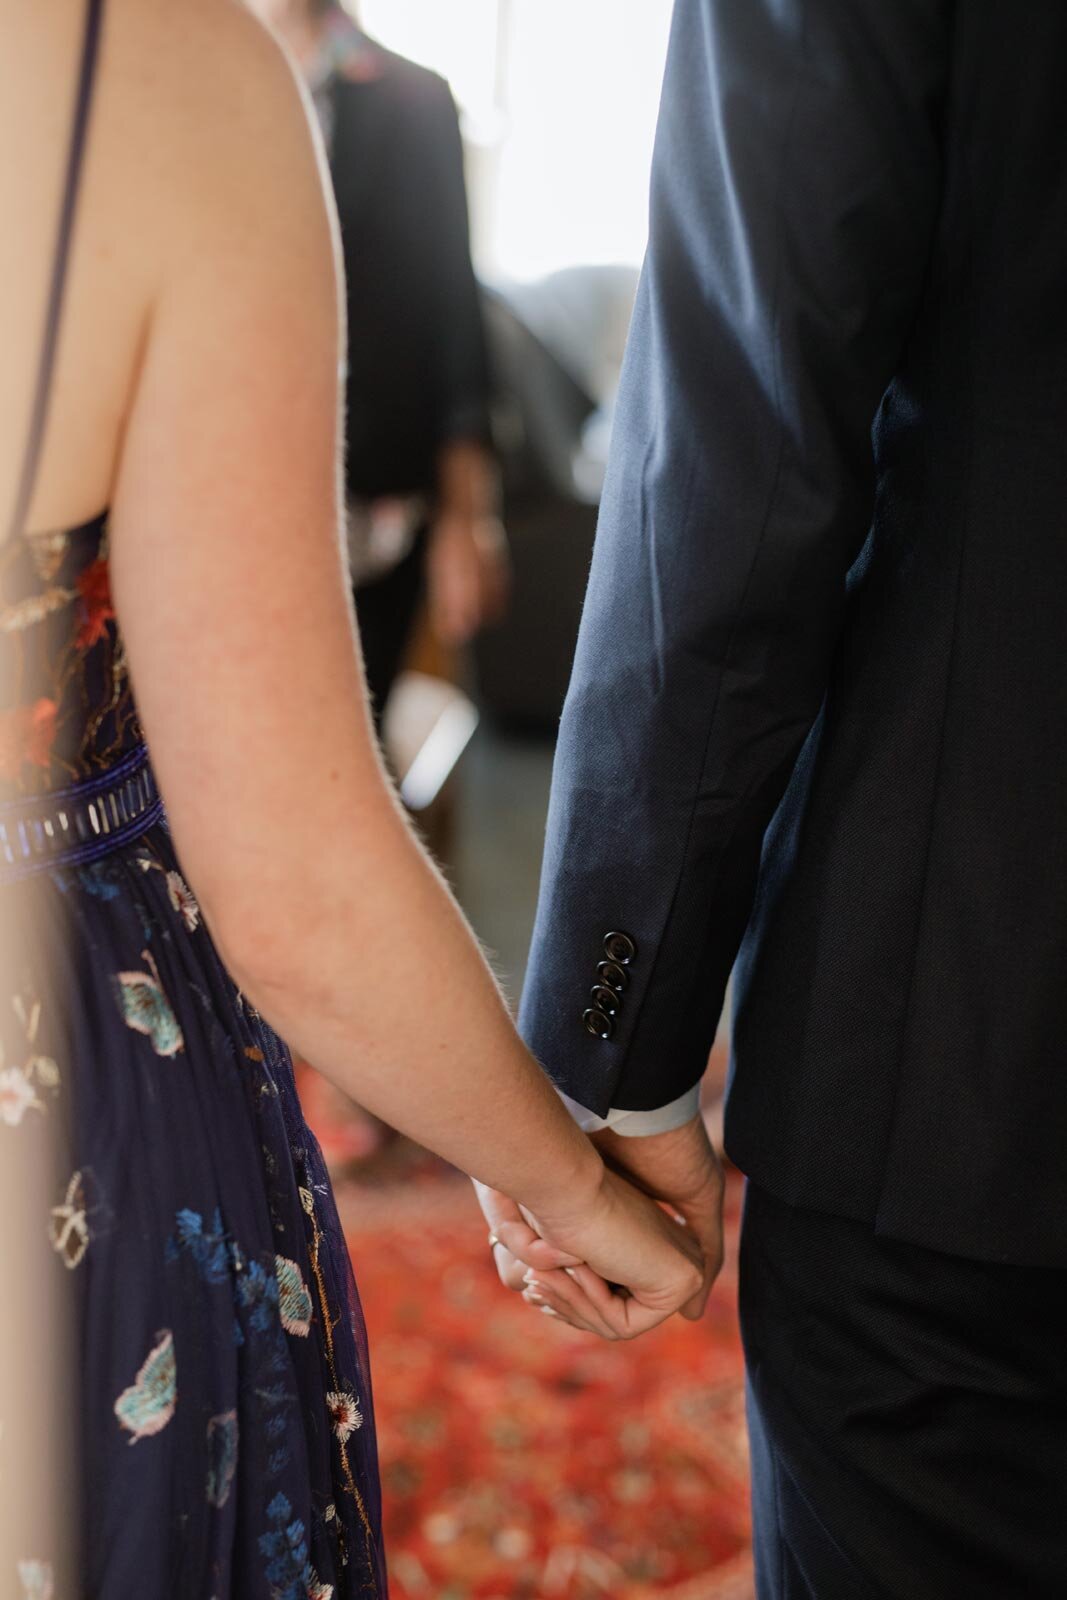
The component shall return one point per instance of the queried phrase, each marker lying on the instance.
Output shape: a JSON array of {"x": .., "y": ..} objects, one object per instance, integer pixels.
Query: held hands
[
  {"x": 565, "y": 1265},
  {"x": 681, "y": 1169}
]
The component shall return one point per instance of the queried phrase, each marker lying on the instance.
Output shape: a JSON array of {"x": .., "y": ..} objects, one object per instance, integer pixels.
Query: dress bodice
[{"x": 67, "y": 711}]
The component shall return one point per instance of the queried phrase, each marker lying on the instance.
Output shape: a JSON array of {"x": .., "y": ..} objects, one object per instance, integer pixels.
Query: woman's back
[
  {"x": 186, "y": 104},
  {"x": 181, "y": 93},
  {"x": 114, "y": 261},
  {"x": 84, "y": 262}
]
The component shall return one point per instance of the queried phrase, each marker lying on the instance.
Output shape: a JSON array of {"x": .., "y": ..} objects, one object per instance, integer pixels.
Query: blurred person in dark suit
[
  {"x": 420, "y": 472},
  {"x": 817, "y": 725}
]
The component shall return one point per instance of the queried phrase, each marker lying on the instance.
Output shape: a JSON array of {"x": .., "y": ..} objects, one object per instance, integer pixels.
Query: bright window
[{"x": 559, "y": 99}]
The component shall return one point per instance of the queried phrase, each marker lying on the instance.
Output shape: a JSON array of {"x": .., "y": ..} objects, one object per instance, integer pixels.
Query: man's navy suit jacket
[{"x": 818, "y": 713}]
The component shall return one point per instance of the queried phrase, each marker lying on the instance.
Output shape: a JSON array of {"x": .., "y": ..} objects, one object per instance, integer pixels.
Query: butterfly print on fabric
[
  {"x": 68, "y": 1227},
  {"x": 148, "y": 1404},
  {"x": 147, "y": 1009},
  {"x": 294, "y": 1300}
]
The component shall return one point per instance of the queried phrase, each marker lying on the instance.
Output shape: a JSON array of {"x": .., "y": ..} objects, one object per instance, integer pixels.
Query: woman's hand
[{"x": 622, "y": 1239}]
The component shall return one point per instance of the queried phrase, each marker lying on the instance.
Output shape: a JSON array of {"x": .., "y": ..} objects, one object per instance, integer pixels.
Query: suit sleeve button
[
  {"x": 599, "y": 1025},
  {"x": 614, "y": 976},
  {"x": 606, "y": 1000},
  {"x": 620, "y": 947}
]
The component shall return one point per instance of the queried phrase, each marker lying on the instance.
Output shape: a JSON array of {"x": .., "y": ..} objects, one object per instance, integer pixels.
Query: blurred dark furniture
[{"x": 555, "y": 348}]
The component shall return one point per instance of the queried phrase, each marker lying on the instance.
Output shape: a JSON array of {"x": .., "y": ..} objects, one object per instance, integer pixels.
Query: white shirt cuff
[{"x": 637, "y": 1124}]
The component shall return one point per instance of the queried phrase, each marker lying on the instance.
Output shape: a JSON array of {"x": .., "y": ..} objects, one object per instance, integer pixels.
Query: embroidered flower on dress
[
  {"x": 316, "y": 1589},
  {"x": 285, "y": 1549},
  {"x": 17, "y": 1096},
  {"x": 210, "y": 1247},
  {"x": 148, "y": 1404},
  {"x": 34, "y": 609},
  {"x": 19, "y": 1084},
  {"x": 68, "y": 1228},
  {"x": 183, "y": 900},
  {"x": 344, "y": 1414},
  {"x": 27, "y": 734},
  {"x": 294, "y": 1301},
  {"x": 147, "y": 1009},
  {"x": 46, "y": 1071},
  {"x": 37, "y": 1579},
  {"x": 104, "y": 880},
  {"x": 47, "y": 552},
  {"x": 94, "y": 588},
  {"x": 257, "y": 1297},
  {"x": 29, "y": 1017}
]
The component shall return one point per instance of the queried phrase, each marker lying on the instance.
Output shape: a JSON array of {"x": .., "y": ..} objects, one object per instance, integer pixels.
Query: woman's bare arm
[{"x": 228, "y": 581}]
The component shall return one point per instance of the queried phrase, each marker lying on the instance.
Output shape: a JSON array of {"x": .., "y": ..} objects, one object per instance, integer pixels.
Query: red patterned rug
[{"x": 520, "y": 1459}]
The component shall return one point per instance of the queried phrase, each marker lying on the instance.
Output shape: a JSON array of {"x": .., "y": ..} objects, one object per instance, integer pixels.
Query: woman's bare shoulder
[
  {"x": 212, "y": 91},
  {"x": 201, "y": 170}
]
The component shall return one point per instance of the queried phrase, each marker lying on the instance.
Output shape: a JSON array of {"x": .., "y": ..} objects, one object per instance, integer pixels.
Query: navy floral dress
[
  {"x": 226, "y": 1411},
  {"x": 226, "y": 1430},
  {"x": 227, "y": 1425}
]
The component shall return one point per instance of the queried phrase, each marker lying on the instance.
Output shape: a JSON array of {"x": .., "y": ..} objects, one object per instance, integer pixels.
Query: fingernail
[
  {"x": 547, "y": 1311},
  {"x": 532, "y": 1283},
  {"x": 532, "y": 1298},
  {"x": 530, "y": 1276}
]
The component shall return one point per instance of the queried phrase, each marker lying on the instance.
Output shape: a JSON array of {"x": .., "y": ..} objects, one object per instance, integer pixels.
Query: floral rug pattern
[{"x": 521, "y": 1459}]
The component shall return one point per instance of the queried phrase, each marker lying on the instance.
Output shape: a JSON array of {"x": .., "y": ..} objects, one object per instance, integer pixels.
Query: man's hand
[
  {"x": 625, "y": 1265},
  {"x": 681, "y": 1169},
  {"x": 468, "y": 575},
  {"x": 467, "y": 568}
]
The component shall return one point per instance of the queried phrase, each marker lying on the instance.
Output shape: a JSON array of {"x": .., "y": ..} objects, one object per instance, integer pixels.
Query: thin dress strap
[{"x": 54, "y": 312}]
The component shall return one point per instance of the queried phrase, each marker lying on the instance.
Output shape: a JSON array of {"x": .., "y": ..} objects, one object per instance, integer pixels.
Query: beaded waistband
[{"x": 67, "y": 827}]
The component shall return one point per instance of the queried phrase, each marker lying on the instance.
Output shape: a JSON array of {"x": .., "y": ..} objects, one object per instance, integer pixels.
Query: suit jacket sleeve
[{"x": 795, "y": 190}]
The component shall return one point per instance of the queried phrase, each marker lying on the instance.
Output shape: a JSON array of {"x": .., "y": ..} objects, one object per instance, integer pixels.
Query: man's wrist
[
  {"x": 467, "y": 482},
  {"x": 637, "y": 1124}
]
